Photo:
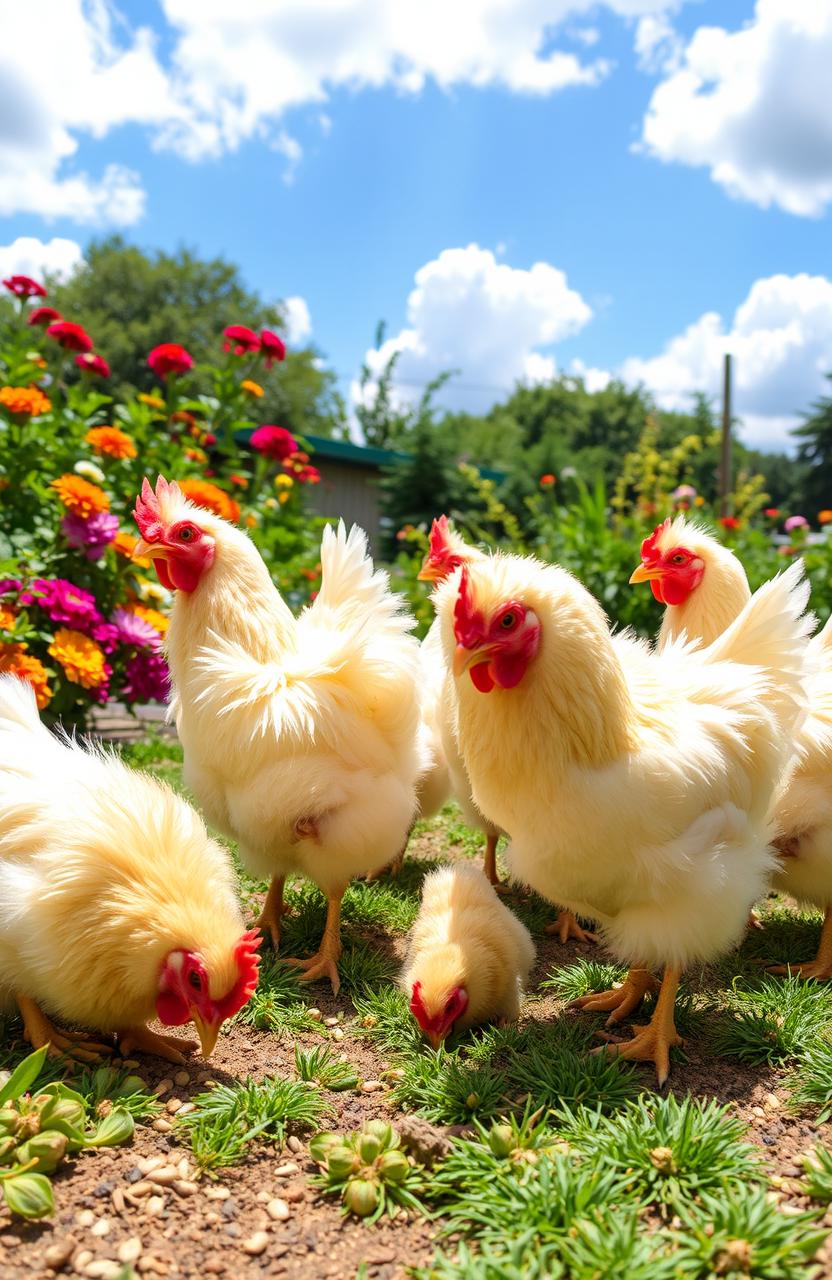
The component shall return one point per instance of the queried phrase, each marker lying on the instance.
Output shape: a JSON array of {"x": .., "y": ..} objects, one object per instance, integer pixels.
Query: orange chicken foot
[
  {"x": 172, "y": 1048},
  {"x": 821, "y": 967},
  {"x": 653, "y": 1042},
  {"x": 620, "y": 1001},
  {"x": 565, "y": 926},
  {"x": 273, "y": 909},
  {"x": 39, "y": 1031},
  {"x": 324, "y": 964},
  {"x": 489, "y": 865}
]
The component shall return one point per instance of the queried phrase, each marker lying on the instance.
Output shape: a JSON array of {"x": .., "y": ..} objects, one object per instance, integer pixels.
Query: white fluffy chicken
[
  {"x": 635, "y": 785},
  {"x": 705, "y": 588},
  {"x": 300, "y": 735},
  {"x": 116, "y": 907},
  {"x": 468, "y": 956}
]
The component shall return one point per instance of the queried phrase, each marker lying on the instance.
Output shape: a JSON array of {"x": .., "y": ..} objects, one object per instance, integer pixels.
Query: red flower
[
  {"x": 773, "y": 513},
  {"x": 43, "y": 316},
  {"x": 547, "y": 481},
  {"x": 274, "y": 442},
  {"x": 309, "y": 475},
  {"x": 24, "y": 287},
  {"x": 241, "y": 339},
  {"x": 168, "y": 358},
  {"x": 272, "y": 347},
  {"x": 729, "y": 522},
  {"x": 71, "y": 336},
  {"x": 208, "y": 439},
  {"x": 92, "y": 364}
]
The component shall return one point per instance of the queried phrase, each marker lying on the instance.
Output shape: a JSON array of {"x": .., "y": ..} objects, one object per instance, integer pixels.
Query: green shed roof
[{"x": 363, "y": 455}]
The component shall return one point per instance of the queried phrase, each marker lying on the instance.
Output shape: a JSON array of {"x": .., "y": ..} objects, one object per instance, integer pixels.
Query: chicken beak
[
  {"x": 207, "y": 1032},
  {"x": 435, "y": 1038},
  {"x": 428, "y": 573},
  {"x": 150, "y": 550},
  {"x": 645, "y": 572},
  {"x": 464, "y": 658}
]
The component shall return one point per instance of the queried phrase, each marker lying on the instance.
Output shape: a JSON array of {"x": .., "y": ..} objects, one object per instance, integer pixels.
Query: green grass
[
  {"x": 279, "y": 1004},
  {"x": 229, "y": 1118},
  {"x": 572, "y": 981},
  {"x": 772, "y": 1020},
  {"x": 818, "y": 1175},
  {"x": 321, "y": 1066},
  {"x": 810, "y": 1081},
  {"x": 444, "y": 1089}
]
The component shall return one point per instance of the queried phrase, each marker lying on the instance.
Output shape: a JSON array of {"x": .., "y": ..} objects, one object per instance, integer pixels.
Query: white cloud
[
  {"x": 298, "y": 320},
  {"x": 781, "y": 340},
  {"x": 753, "y": 106},
  {"x": 31, "y": 257},
  {"x": 593, "y": 379},
  {"x": 291, "y": 149},
  {"x": 487, "y": 320},
  {"x": 657, "y": 46}
]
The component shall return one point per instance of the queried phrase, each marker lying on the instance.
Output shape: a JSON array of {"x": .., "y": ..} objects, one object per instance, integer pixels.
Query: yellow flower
[
  {"x": 112, "y": 441},
  {"x": 15, "y": 661},
  {"x": 251, "y": 520},
  {"x": 80, "y": 497},
  {"x": 82, "y": 659},
  {"x": 152, "y": 616},
  {"x": 699, "y": 501},
  {"x": 152, "y": 402},
  {"x": 283, "y": 481},
  {"x": 271, "y": 504},
  {"x": 253, "y": 388},
  {"x": 152, "y": 590},
  {"x": 283, "y": 497},
  {"x": 28, "y": 401}
]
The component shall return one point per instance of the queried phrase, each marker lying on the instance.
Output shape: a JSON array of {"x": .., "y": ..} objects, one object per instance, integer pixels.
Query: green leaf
[
  {"x": 24, "y": 1076},
  {"x": 29, "y": 1195},
  {"x": 114, "y": 1129}
]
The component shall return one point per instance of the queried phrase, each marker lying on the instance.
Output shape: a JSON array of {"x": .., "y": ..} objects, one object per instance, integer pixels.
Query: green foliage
[
  {"x": 742, "y": 1233},
  {"x": 444, "y": 1089},
  {"x": 229, "y": 1118},
  {"x": 369, "y": 1172},
  {"x": 321, "y": 1066},
  {"x": 278, "y": 1004},
  {"x": 384, "y": 1016},
  {"x": 818, "y": 1175},
  {"x": 810, "y": 1081},
  {"x": 557, "y": 1070},
  {"x": 572, "y": 981},
  {"x": 773, "y": 1019}
]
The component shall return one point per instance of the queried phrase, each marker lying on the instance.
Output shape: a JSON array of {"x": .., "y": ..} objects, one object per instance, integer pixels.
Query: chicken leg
[
  {"x": 821, "y": 967},
  {"x": 39, "y": 1031},
  {"x": 653, "y": 1042},
  {"x": 324, "y": 964},
  {"x": 273, "y": 909},
  {"x": 565, "y": 926},
  {"x": 172, "y": 1048},
  {"x": 619, "y": 1001},
  {"x": 489, "y": 865}
]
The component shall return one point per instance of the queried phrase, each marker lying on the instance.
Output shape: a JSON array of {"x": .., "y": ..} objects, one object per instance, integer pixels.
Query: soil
[{"x": 206, "y": 1230}]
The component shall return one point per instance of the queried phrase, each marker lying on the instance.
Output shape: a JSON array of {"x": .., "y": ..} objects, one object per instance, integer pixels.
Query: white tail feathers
[
  {"x": 18, "y": 708},
  {"x": 350, "y": 585}
]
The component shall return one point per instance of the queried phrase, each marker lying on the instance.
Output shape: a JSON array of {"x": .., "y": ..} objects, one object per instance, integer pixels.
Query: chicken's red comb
[
  {"x": 148, "y": 510},
  {"x": 469, "y": 624},
  {"x": 439, "y": 540},
  {"x": 247, "y": 956},
  {"x": 650, "y": 546}
]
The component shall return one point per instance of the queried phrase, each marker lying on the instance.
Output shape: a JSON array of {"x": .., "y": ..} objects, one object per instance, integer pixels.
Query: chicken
[
  {"x": 115, "y": 905},
  {"x": 300, "y": 735},
  {"x": 468, "y": 956},
  {"x": 701, "y": 582},
  {"x": 705, "y": 588},
  {"x": 447, "y": 552},
  {"x": 658, "y": 767}
]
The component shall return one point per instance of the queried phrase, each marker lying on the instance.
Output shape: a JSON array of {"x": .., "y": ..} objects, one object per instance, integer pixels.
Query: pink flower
[
  {"x": 146, "y": 677},
  {"x": 240, "y": 339},
  {"x": 94, "y": 365},
  {"x": 275, "y": 442},
  {"x": 272, "y": 347},
  {"x": 796, "y": 522},
  {"x": 62, "y": 601},
  {"x": 93, "y": 535},
  {"x": 309, "y": 475},
  {"x": 43, "y": 316},
  {"x": 70, "y": 336},
  {"x": 135, "y": 631},
  {"x": 169, "y": 358},
  {"x": 24, "y": 287}
]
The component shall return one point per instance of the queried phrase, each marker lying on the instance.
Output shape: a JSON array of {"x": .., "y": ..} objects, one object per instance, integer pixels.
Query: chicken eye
[
  {"x": 679, "y": 559},
  {"x": 508, "y": 620},
  {"x": 186, "y": 534},
  {"x": 195, "y": 981}
]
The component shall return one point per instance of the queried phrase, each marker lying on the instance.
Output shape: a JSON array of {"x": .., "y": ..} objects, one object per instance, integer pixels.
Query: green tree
[
  {"x": 130, "y": 301},
  {"x": 814, "y": 456}
]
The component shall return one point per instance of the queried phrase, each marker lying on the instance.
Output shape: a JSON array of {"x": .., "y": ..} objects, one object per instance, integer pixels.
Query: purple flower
[
  {"x": 63, "y": 602},
  {"x": 134, "y": 630},
  {"x": 795, "y": 522},
  {"x": 8, "y": 585},
  {"x": 91, "y": 535},
  {"x": 146, "y": 678},
  {"x": 106, "y": 634}
]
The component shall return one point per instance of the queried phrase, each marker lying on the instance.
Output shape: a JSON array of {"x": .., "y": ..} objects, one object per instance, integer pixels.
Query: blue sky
[{"x": 651, "y": 157}]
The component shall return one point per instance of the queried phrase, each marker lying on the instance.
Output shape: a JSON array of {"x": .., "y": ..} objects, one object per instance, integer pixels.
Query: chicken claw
[
  {"x": 171, "y": 1048},
  {"x": 566, "y": 926},
  {"x": 619, "y": 1001},
  {"x": 324, "y": 964},
  {"x": 821, "y": 967},
  {"x": 39, "y": 1031},
  {"x": 653, "y": 1042},
  {"x": 273, "y": 910}
]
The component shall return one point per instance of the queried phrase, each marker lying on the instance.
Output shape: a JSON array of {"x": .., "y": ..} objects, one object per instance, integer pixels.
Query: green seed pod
[
  {"x": 9, "y": 1120},
  {"x": 28, "y": 1125},
  {"x": 66, "y": 1116},
  {"x": 47, "y": 1148},
  {"x": 385, "y": 1133},
  {"x": 29, "y": 1194},
  {"x": 7, "y": 1146},
  {"x": 393, "y": 1166},
  {"x": 501, "y": 1139},
  {"x": 322, "y": 1144},
  {"x": 341, "y": 1162},
  {"x": 368, "y": 1147},
  {"x": 361, "y": 1197}
]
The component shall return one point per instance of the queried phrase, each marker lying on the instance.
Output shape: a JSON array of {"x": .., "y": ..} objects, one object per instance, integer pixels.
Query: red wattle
[
  {"x": 675, "y": 592},
  {"x": 481, "y": 677},
  {"x": 163, "y": 574},
  {"x": 185, "y": 576},
  {"x": 656, "y": 588},
  {"x": 508, "y": 670}
]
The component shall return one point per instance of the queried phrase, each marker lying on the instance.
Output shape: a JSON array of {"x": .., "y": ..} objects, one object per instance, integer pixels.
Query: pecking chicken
[
  {"x": 447, "y": 552},
  {"x": 468, "y": 956},
  {"x": 115, "y": 905},
  {"x": 705, "y": 588},
  {"x": 300, "y": 735},
  {"x": 658, "y": 767}
]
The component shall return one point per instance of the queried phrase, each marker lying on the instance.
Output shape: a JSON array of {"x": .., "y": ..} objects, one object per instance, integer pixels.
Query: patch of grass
[
  {"x": 611, "y": 1242},
  {"x": 489, "y": 1044},
  {"x": 572, "y": 981},
  {"x": 558, "y": 1070},
  {"x": 446, "y": 1090},
  {"x": 742, "y": 1233},
  {"x": 818, "y": 1179},
  {"x": 364, "y": 965},
  {"x": 787, "y": 936},
  {"x": 384, "y": 1017},
  {"x": 810, "y": 1083},
  {"x": 388, "y": 905},
  {"x": 321, "y": 1066},
  {"x": 504, "y": 1260},
  {"x": 302, "y": 927},
  {"x": 459, "y": 837},
  {"x": 105, "y": 1085},
  {"x": 278, "y": 1003},
  {"x": 228, "y": 1118},
  {"x": 152, "y": 752},
  {"x": 772, "y": 1020}
]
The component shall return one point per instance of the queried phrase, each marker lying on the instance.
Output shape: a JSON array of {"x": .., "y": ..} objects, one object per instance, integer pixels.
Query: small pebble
[
  {"x": 142, "y": 1188},
  {"x": 182, "y": 1078},
  {"x": 758, "y": 1112},
  {"x": 162, "y": 1125},
  {"x": 163, "y": 1177},
  {"x": 130, "y": 1064},
  {"x": 286, "y": 1170},
  {"x": 129, "y": 1250},
  {"x": 294, "y": 1144},
  {"x": 164, "y": 1086},
  {"x": 278, "y": 1210},
  {"x": 330, "y": 1022},
  {"x": 771, "y": 1100},
  {"x": 256, "y": 1244},
  {"x": 293, "y": 1194},
  {"x": 229, "y": 1208},
  {"x": 174, "y": 1105},
  {"x": 85, "y": 1218},
  {"x": 186, "y": 1107},
  {"x": 103, "y": 1269},
  {"x": 217, "y": 1193},
  {"x": 101, "y": 1227},
  {"x": 118, "y": 1200},
  {"x": 151, "y": 1263},
  {"x": 337, "y": 1034},
  {"x": 59, "y": 1253},
  {"x": 155, "y": 1205},
  {"x": 315, "y": 1015},
  {"x": 371, "y": 1086},
  {"x": 149, "y": 1163},
  {"x": 80, "y": 1260},
  {"x": 262, "y": 1197},
  {"x": 184, "y": 1187},
  {"x": 184, "y": 1168}
]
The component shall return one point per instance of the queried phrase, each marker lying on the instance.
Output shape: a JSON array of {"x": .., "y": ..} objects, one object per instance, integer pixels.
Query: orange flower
[
  {"x": 28, "y": 401},
  {"x": 211, "y": 498},
  {"x": 824, "y": 517},
  {"x": 152, "y": 402},
  {"x": 251, "y": 521},
  {"x": 240, "y": 481},
  {"x": 112, "y": 441},
  {"x": 253, "y": 388},
  {"x": 152, "y": 616},
  {"x": 80, "y": 497},
  {"x": 547, "y": 481},
  {"x": 16, "y": 662},
  {"x": 125, "y": 544},
  {"x": 81, "y": 658},
  {"x": 7, "y": 617},
  {"x": 196, "y": 455}
]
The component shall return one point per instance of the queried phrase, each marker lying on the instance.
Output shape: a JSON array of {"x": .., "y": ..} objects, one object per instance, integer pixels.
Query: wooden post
[{"x": 725, "y": 453}]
